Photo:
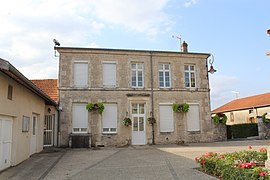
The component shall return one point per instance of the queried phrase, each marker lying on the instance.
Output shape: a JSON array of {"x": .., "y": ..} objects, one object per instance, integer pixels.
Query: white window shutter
[
  {"x": 79, "y": 115},
  {"x": 110, "y": 116},
  {"x": 81, "y": 74},
  {"x": 193, "y": 118},
  {"x": 109, "y": 74},
  {"x": 166, "y": 118}
]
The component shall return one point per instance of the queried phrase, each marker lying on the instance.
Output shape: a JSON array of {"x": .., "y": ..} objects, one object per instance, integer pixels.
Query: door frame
[
  {"x": 33, "y": 132},
  {"x": 143, "y": 142},
  {"x": 52, "y": 116}
]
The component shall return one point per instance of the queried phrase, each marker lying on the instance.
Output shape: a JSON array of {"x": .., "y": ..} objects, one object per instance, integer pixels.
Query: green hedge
[{"x": 242, "y": 130}]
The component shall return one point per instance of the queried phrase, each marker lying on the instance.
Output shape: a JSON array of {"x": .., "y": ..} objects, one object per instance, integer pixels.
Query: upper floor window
[
  {"x": 109, "y": 74},
  {"x": 137, "y": 75},
  {"x": 190, "y": 80},
  {"x": 80, "y": 74},
  {"x": 164, "y": 75},
  {"x": 10, "y": 92}
]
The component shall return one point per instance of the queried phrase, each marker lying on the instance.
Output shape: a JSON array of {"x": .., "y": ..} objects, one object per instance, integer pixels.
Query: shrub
[
  {"x": 220, "y": 119},
  {"x": 237, "y": 165},
  {"x": 242, "y": 130}
]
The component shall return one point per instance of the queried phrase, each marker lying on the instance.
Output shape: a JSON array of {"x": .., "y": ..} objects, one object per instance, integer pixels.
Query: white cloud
[
  {"x": 221, "y": 89},
  {"x": 28, "y": 27},
  {"x": 142, "y": 16},
  {"x": 190, "y": 3}
]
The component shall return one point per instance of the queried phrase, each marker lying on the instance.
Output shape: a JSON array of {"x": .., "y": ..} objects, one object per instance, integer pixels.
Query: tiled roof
[
  {"x": 245, "y": 103},
  {"x": 48, "y": 86}
]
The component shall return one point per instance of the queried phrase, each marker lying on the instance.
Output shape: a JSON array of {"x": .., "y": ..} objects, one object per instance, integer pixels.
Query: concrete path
[{"x": 170, "y": 162}]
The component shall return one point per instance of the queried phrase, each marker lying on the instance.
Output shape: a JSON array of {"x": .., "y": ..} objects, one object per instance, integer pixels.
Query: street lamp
[{"x": 211, "y": 61}]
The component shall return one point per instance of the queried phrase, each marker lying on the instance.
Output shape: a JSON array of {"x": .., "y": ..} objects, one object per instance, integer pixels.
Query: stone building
[{"x": 135, "y": 84}]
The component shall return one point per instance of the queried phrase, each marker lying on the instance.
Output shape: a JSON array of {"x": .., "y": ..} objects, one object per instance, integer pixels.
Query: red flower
[
  {"x": 196, "y": 159},
  {"x": 249, "y": 147},
  {"x": 262, "y": 173},
  {"x": 263, "y": 150},
  {"x": 203, "y": 162}
]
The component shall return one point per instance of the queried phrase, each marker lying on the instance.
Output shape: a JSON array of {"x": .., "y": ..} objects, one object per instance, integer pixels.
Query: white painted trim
[{"x": 109, "y": 62}]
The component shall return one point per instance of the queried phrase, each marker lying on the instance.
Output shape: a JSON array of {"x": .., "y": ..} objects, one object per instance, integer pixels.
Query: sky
[{"x": 234, "y": 31}]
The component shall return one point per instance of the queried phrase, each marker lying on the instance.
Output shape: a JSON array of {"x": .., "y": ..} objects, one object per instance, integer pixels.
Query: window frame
[
  {"x": 137, "y": 75},
  {"x": 25, "y": 124},
  {"x": 10, "y": 92},
  {"x": 87, "y": 75},
  {"x": 80, "y": 129},
  {"x": 163, "y": 71},
  {"x": 116, "y": 122},
  {"x": 161, "y": 130},
  {"x": 113, "y": 63},
  {"x": 189, "y": 76}
]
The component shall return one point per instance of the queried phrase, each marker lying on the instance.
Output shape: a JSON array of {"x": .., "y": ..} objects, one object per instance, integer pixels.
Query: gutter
[{"x": 152, "y": 97}]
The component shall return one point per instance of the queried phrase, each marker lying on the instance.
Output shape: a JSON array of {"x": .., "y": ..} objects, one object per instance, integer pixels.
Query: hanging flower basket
[
  {"x": 97, "y": 106},
  {"x": 127, "y": 121},
  {"x": 151, "y": 120},
  {"x": 184, "y": 108}
]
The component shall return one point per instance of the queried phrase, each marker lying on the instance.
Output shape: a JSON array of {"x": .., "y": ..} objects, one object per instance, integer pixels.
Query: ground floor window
[
  {"x": 79, "y": 118},
  {"x": 166, "y": 118},
  {"x": 193, "y": 118},
  {"x": 109, "y": 118}
]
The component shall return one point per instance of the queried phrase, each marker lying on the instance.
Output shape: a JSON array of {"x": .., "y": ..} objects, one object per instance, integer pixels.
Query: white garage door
[{"x": 5, "y": 142}]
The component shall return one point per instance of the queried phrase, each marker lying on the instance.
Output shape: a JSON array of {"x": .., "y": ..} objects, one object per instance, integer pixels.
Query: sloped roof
[
  {"x": 260, "y": 100},
  {"x": 9, "y": 70},
  {"x": 48, "y": 86}
]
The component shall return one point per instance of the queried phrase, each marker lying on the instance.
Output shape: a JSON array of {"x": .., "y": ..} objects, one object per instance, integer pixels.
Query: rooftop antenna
[
  {"x": 180, "y": 40},
  {"x": 236, "y": 94}
]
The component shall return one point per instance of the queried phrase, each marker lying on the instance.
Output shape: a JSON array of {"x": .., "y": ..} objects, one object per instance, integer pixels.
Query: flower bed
[{"x": 248, "y": 164}]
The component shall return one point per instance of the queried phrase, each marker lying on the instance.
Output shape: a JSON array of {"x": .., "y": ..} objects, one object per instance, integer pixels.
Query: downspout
[
  {"x": 152, "y": 98},
  {"x": 58, "y": 127}
]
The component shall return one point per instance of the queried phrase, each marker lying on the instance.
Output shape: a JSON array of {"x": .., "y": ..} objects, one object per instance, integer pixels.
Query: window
[
  {"x": 79, "y": 118},
  {"x": 109, "y": 74},
  {"x": 190, "y": 80},
  {"x": 10, "y": 92},
  {"x": 250, "y": 111},
  {"x": 34, "y": 125},
  {"x": 231, "y": 117},
  {"x": 25, "y": 124},
  {"x": 137, "y": 75},
  {"x": 80, "y": 74},
  {"x": 166, "y": 118},
  {"x": 193, "y": 118},
  {"x": 109, "y": 118},
  {"x": 164, "y": 75}
]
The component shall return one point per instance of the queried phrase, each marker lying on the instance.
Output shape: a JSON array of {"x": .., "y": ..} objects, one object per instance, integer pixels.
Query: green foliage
[
  {"x": 151, "y": 120},
  {"x": 237, "y": 165},
  {"x": 97, "y": 106},
  {"x": 220, "y": 119},
  {"x": 184, "y": 108},
  {"x": 242, "y": 130},
  {"x": 127, "y": 121},
  {"x": 265, "y": 120}
]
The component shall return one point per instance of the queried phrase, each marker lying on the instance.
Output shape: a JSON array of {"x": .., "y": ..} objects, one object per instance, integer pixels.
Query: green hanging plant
[
  {"x": 127, "y": 121},
  {"x": 184, "y": 108},
  {"x": 97, "y": 106},
  {"x": 265, "y": 120},
  {"x": 151, "y": 120},
  {"x": 220, "y": 119}
]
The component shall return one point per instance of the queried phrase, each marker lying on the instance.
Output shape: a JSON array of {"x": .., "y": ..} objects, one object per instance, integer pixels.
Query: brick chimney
[
  {"x": 184, "y": 47},
  {"x": 268, "y": 31}
]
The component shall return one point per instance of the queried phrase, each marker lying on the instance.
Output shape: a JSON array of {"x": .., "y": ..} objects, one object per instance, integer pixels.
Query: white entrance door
[
  {"x": 138, "y": 124},
  {"x": 5, "y": 143},
  {"x": 48, "y": 131},
  {"x": 33, "y": 143}
]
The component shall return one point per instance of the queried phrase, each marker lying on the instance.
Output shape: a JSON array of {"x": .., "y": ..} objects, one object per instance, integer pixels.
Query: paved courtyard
[{"x": 170, "y": 162}]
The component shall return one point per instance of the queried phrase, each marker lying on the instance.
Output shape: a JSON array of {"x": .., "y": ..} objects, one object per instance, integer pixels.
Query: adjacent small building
[
  {"x": 245, "y": 110},
  {"x": 135, "y": 85},
  {"x": 23, "y": 110}
]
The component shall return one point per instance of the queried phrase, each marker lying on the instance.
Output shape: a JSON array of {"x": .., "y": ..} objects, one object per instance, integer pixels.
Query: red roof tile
[
  {"x": 48, "y": 86},
  {"x": 245, "y": 103}
]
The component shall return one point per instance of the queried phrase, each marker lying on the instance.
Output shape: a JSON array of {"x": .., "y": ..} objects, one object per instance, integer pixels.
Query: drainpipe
[
  {"x": 152, "y": 97},
  {"x": 58, "y": 126}
]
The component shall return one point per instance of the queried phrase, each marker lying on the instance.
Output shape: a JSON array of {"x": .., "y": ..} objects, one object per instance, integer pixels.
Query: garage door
[{"x": 5, "y": 142}]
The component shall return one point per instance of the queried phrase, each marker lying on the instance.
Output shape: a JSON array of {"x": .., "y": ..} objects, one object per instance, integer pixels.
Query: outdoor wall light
[
  {"x": 49, "y": 110},
  {"x": 211, "y": 61}
]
